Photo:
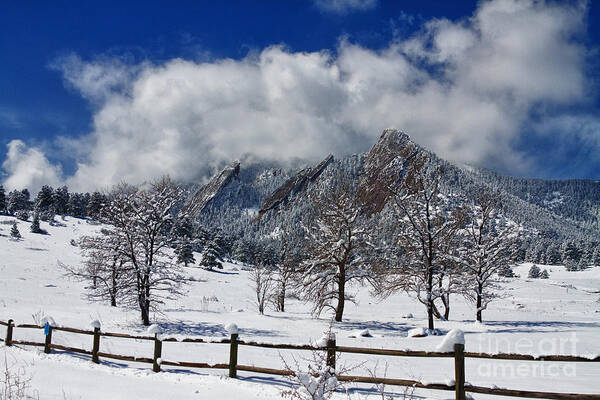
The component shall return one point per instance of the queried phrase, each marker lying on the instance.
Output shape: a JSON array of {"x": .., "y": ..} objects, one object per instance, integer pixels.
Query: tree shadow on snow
[
  {"x": 394, "y": 328},
  {"x": 208, "y": 329}
]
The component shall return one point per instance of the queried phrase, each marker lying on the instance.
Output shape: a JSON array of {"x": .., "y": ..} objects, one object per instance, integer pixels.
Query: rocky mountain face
[
  {"x": 203, "y": 196},
  {"x": 246, "y": 199},
  {"x": 293, "y": 186},
  {"x": 383, "y": 169}
]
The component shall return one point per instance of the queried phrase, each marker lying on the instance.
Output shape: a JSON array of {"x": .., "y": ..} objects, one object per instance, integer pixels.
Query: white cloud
[
  {"x": 27, "y": 167},
  {"x": 345, "y": 6},
  {"x": 463, "y": 89}
]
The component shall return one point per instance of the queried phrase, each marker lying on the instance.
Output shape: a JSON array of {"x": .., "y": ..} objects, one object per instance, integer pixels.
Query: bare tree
[
  {"x": 262, "y": 279},
  {"x": 425, "y": 227},
  {"x": 104, "y": 267},
  {"x": 141, "y": 220},
  {"x": 285, "y": 270},
  {"x": 488, "y": 240},
  {"x": 336, "y": 242}
]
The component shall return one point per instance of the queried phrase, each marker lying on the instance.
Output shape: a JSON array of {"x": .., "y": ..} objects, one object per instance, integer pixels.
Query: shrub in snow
[
  {"x": 23, "y": 215},
  {"x": 534, "y": 272},
  {"x": 317, "y": 381},
  {"x": 15, "y": 383},
  {"x": 14, "y": 231},
  {"x": 544, "y": 275},
  {"x": 455, "y": 336},
  {"x": 408, "y": 316},
  {"x": 506, "y": 271}
]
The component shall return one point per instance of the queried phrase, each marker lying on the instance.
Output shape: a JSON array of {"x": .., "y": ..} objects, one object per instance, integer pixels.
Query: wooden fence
[{"x": 459, "y": 355}]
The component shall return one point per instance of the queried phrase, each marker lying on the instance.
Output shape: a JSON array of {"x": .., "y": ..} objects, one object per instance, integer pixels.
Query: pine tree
[
  {"x": 17, "y": 201},
  {"x": 506, "y": 271},
  {"x": 14, "y": 231},
  {"x": 2, "y": 200},
  {"x": 77, "y": 205},
  {"x": 61, "y": 200},
  {"x": 534, "y": 272},
  {"x": 184, "y": 253},
  {"x": 95, "y": 204},
  {"x": 211, "y": 257},
  {"x": 44, "y": 200},
  {"x": 544, "y": 275},
  {"x": 596, "y": 256},
  {"x": 570, "y": 256},
  {"x": 35, "y": 224}
]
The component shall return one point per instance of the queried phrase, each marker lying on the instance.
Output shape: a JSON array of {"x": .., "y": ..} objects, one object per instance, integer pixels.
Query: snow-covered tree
[
  {"x": 14, "y": 231},
  {"x": 77, "y": 205},
  {"x": 336, "y": 243},
  {"x": 286, "y": 267},
  {"x": 210, "y": 256},
  {"x": 139, "y": 217},
  {"x": 425, "y": 229},
  {"x": 534, "y": 272},
  {"x": 95, "y": 205},
  {"x": 35, "y": 224},
  {"x": 2, "y": 200},
  {"x": 544, "y": 275},
  {"x": 105, "y": 267},
  {"x": 487, "y": 243},
  {"x": 571, "y": 255},
  {"x": 44, "y": 200},
  {"x": 262, "y": 280},
  {"x": 184, "y": 252},
  {"x": 61, "y": 200},
  {"x": 18, "y": 201}
]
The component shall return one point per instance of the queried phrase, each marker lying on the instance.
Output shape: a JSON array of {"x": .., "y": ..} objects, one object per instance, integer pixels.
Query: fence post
[
  {"x": 48, "y": 339},
  {"x": 9, "y": 333},
  {"x": 157, "y": 353},
  {"x": 96, "y": 346},
  {"x": 459, "y": 370},
  {"x": 233, "y": 355},
  {"x": 331, "y": 352}
]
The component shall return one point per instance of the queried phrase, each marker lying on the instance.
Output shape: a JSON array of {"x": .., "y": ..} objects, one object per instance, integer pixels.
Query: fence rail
[{"x": 459, "y": 355}]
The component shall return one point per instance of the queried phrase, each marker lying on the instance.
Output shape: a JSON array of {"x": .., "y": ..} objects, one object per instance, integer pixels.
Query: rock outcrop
[
  {"x": 294, "y": 185},
  {"x": 206, "y": 193},
  {"x": 383, "y": 168}
]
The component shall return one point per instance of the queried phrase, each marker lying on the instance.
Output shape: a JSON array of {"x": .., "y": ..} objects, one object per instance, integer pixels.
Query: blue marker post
[{"x": 48, "y": 333}]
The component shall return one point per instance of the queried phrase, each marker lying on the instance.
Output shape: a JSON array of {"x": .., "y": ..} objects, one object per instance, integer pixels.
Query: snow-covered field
[{"x": 555, "y": 316}]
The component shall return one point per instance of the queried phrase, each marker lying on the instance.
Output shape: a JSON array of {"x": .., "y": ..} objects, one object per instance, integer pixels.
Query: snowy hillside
[{"x": 560, "y": 315}]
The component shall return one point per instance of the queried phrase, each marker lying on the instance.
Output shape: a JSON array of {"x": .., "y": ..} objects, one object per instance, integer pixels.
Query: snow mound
[
  {"x": 95, "y": 324},
  {"x": 455, "y": 336},
  {"x": 324, "y": 339},
  {"x": 232, "y": 329},
  {"x": 363, "y": 333},
  {"x": 408, "y": 316},
  {"x": 417, "y": 332},
  {"x": 153, "y": 329}
]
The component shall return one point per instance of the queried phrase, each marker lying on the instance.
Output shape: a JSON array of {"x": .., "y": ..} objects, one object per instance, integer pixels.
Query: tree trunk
[
  {"x": 281, "y": 299},
  {"x": 145, "y": 316},
  {"x": 339, "y": 310},
  {"x": 429, "y": 298},
  {"x": 479, "y": 306}
]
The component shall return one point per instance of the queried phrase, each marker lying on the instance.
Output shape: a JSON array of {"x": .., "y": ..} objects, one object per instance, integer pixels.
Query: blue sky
[{"x": 91, "y": 94}]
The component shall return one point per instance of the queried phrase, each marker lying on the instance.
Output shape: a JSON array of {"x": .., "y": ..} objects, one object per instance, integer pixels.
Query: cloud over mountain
[{"x": 465, "y": 89}]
